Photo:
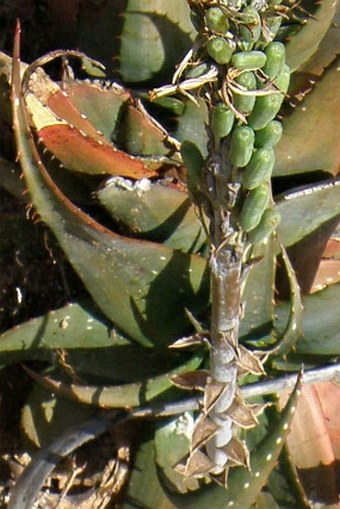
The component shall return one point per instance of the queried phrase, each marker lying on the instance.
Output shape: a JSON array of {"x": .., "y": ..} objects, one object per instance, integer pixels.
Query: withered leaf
[
  {"x": 188, "y": 341},
  {"x": 221, "y": 478},
  {"x": 214, "y": 391},
  {"x": 249, "y": 361},
  {"x": 203, "y": 430},
  {"x": 238, "y": 453},
  {"x": 192, "y": 380},
  {"x": 241, "y": 413},
  {"x": 198, "y": 464}
]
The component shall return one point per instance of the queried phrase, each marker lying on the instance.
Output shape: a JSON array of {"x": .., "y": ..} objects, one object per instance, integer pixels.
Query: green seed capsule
[
  {"x": 222, "y": 120},
  {"x": 241, "y": 146},
  {"x": 216, "y": 20},
  {"x": 267, "y": 107},
  {"x": 276, "y": 55},
  {"x": 220, "y": 50},
  {"x": 245, "y": 103},
  {"x": 248, "y": 60},
  {"x": 259, "y": 169},
  {"x": 270, "y": 135},
  {"x": 254, "y": 205},
  {"x": 269, "y": 222}
]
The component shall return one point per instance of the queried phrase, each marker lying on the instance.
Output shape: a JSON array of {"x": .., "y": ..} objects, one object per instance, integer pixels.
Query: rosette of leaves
[{"x": 140, "y": 249}]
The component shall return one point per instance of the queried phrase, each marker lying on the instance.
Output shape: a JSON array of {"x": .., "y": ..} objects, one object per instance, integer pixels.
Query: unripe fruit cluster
[{"x": 260, "y": 79}]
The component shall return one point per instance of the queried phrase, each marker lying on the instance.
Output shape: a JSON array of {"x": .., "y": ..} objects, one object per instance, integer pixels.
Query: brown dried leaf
[
  {"x": 203, "y": 430},
  {"x": 249, "y": 361},
  {"x": 241, "y": 413},
  {"x": 238, "y": 453},
  {"x": 222, "y": 478},
  {"x": 194, "y": 340},
  {"x": 198, "y": 464},
  {"x": 213, "y": 392},
  {"x": 192, "y": 380}
]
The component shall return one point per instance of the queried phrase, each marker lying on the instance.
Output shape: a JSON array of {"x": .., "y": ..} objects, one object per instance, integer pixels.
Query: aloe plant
[{"x": 175, "y": 195}]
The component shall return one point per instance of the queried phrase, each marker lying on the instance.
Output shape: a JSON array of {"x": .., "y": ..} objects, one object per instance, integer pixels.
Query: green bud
[
  {"x": 220, "y": 50},
  {"x": 270, "y": 135},
  {"x": 269, "y": 222},
  {"x": 241, "y": 146},
  {"x": 254, "y": 206},
  {"x": 276, "y": 55},
  {"x": 222, "y": 120},
  {"x": 216, "y": 20},
  {"x": 259, "y": 169},
  {"x": 248, "y": 60},
  {"x": 245, "y": 103}
]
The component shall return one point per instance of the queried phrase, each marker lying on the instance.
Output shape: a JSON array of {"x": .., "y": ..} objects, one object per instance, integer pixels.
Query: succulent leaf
[
  {"x": 158, "y": 212},
  {"x": 125, "y": 269},
  {"x": 258, "y": 291},
  {"x": 117, "y": 396},
  {"x": 147, "y": 39},
  {"x": 312, "y": 205},
  {"x": 320, "y": 322},
  {"x": 69, "y": 135},
  {"x": 293, "y": 328},
  {"x": 311, "y": 133},
  {"x": 307, "y": 40},
  {"x": 327, "y": 50},
  {"x": 44, "y": 416}
]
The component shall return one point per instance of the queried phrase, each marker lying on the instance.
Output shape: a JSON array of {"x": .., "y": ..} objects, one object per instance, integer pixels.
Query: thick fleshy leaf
[
  {"x": 328, "y": 48},
  {"x": 265, "y": 501},
  {"x": 100, "y": 102},
  {"x": 10, "y": 179},
  {"x": 192, "y": 125},
  {"x": 144, "y": 488},
  {"x": 258, "y": 292},
  {"x": 306, "y": 41},
  {"x": 315, "y": 448},
  {"x": 140, "y": 286},
  {"x": 286, "y": 340},
  {"x": 44, "y": 416},
  {"x": 93, "y": 349},
  {"x": 311, "y": 133},
  {"x": 321, "y": 322},
  {"x": 70, "y": 137},
  {"x": 304, "y": 209},
  {"x": 149, "y": 38},
  {"x": 155, "y": 211},
  {"x": 108, "y": 109},
  {"x": 141, "y": 135},
  {"x": 118, "y": 396}
]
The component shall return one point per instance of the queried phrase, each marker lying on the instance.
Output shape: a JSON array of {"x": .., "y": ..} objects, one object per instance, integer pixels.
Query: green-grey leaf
[
  {"x": 94, "y": 349},
  {"x": 321, "y": 322},
  {"x": 311, "y": 133},
  {"x": 45, "y": 416},
  {"x": 258, "y": 292},
  {"x": 148, "y": 37},
  {"x": 192, "y": 125},
  {"x": 156, "y": 212},
  {"x": 328, "y": 48},
  {"x": 306, "y": 41},
  {"x": 139, "y": 285},
  {"x": 304, "y": 209}
]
